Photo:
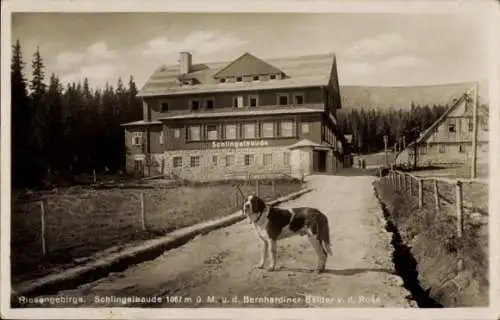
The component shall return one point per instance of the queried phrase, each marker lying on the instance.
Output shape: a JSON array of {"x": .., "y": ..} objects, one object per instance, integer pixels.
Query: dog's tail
[{"x": 324, "y": 236}]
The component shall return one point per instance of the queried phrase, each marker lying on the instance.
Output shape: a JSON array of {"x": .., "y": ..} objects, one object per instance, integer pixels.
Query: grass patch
[
  {"x": 435, "y": 245},
  {"x": 83, "y": 221}
]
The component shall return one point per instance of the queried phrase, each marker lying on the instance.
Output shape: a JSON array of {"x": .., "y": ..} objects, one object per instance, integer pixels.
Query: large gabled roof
[
  {"x": 246, "y": 65},
  {"x": 302, "y": 71}
]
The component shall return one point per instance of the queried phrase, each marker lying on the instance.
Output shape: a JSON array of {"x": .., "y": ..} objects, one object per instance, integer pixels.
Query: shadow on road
[{"x": 339, "y": 272}]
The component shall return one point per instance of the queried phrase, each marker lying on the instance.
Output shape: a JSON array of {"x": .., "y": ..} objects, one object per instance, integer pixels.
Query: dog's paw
[
  {"x": 319, "y": 270},
  {"x": 270, "y": 268}
]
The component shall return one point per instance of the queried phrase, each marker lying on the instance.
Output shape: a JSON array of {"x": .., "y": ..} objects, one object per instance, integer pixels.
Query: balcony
[{"x": 243, "y": 111}]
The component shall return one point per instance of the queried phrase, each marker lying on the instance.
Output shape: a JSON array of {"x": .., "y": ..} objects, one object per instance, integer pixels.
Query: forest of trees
[
  {"x": 61, "y": 130},
  {"x": 368, "y": 127}
]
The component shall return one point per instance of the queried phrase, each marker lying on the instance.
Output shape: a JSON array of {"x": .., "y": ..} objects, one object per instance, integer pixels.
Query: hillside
[{"x": 401, "y": 97}]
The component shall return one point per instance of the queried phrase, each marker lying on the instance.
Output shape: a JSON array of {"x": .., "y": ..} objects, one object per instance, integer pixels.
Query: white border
[{"x": 488, "y": 9}]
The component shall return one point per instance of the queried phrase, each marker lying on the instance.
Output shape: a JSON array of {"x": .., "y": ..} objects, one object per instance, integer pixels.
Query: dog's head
[{"x": 253, "y": 205}]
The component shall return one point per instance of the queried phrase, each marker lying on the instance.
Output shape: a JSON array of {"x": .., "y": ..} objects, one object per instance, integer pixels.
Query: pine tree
[
  {"x": 40, "y": 121},
  {"x": 22, "y": 174}
]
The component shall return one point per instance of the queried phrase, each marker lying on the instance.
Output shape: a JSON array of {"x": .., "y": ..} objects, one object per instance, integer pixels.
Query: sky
[{"x": 373, "y": 49}]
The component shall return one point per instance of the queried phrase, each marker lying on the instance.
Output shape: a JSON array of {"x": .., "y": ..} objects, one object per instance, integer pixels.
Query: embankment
[{"x": 452, "y": 271}]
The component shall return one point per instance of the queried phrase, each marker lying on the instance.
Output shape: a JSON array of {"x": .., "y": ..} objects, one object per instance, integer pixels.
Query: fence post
[
  {"x": 143, "y": 220},
  {"x": 436, "y": 194},
  {"x": 411, "y": 185},
  {"x": 236, "y": 199},
  {"x": 273, "y": 188},
  {"x": 42, "y": 222},
  {"x": 420, "y": 193},
  {"x": 397, "y": 180},
  {"x": 257, "y": 187},
  {"x": 460, "y": 224}
]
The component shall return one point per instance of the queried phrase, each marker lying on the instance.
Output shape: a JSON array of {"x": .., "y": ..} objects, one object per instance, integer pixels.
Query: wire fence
[{"x": 70, "y": 225}]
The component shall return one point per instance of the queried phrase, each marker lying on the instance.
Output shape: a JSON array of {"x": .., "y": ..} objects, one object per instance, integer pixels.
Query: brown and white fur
[{"x": 272, "y": 224}]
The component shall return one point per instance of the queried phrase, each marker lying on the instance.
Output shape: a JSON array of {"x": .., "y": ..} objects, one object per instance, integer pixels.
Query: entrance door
[{"x": 319, "y": 161}]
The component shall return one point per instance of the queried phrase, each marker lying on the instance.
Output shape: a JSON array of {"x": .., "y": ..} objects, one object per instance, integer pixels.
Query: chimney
[{"x": 185, "y": 63}]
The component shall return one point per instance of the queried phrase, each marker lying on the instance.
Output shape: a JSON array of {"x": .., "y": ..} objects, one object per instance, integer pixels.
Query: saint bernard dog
[{"x": 272, "y": 224}]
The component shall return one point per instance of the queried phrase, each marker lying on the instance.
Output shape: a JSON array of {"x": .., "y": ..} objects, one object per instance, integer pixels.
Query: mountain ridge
[{"x": 401, "y": 97}]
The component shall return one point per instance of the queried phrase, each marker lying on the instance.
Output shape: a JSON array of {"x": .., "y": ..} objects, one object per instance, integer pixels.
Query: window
[
  {"x": 286, "y": 158},
  {"x": 298, "y": 99},
  {"x": 229, "y": 160},
  {"x": 230, "y": 131},
  {"x": 209, "y": 104},
  {"x": 177, "y": 133},
  {"x": 195, "y": 105},
  {"x": 253, "y": 101},
  {"x": 451, "y": 127},
  {"x": 423, "y": 149},
  {"x": 214, "y": 160},
  {"x": 286, "y": 128},
  {"x": 195, "y": 161},
  {"x": 442, "y": 148},
  {"x": 249, "y": 131},
  {"x": 484, "y": 123},
  {"x": 239, "y": 79},
  {"x": 249, "y": 159},
  {"x": 138, "y": 164},
  {"x": 194, "y": 133},
  {"x": 161, "y": 137},
  {"x": 470, "y": 124},
  {"x": 238, "y": 102},
  {"x": 272, "y": 77},
  {"x": 212, "y": 133},
  {"x": 304, "y": 128},
  {"x": 222, "y": 80},
  {"x": 283, "y": 99},
  {"x": 164, "y": 107},
  {"x": 461, "y": 148},
  {"x": 267, "y": 159},
  {"x": 137, "y": 138},
  {"x": 267, "y": 129},
  {"x": 177, "y": 162},
  {"x": 255, "y": 78}
]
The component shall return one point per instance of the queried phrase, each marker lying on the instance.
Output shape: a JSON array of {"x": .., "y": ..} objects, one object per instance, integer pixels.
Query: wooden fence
[{"x": 444, "y": 191}]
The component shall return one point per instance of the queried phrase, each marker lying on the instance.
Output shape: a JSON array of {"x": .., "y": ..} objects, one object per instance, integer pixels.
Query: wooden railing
[{"x": 445, "y": 191}]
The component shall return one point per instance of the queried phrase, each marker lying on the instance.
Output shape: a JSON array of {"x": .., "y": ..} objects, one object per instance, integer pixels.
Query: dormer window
[
  {"x": 222, "y": 80},
  {"x": 239, "y": 79}
]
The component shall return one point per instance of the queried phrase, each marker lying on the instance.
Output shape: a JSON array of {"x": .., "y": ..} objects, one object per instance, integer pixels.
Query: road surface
[{"x": 217, "y": 269}]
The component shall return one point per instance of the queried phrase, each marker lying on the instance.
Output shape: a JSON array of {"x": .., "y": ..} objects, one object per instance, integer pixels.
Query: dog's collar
[{"x": 260, "y": 215}]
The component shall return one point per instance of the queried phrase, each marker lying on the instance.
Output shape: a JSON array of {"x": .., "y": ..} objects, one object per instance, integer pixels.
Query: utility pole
[
  {"x": 386, "y": 139},
  {"x": 474, "y": 134}
]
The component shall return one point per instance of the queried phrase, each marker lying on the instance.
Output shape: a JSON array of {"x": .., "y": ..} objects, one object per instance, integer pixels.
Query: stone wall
[{"x": 212, "y": 165}]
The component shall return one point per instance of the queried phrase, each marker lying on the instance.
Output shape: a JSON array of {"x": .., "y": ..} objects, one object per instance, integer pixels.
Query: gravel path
[{"x": 217, "y": 269}]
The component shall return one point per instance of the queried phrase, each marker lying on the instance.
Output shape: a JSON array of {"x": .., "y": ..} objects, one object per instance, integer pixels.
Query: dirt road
[{"x": 217, "y": 269}]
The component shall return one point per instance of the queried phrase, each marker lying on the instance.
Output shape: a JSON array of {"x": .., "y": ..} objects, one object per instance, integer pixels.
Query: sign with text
[{"x": 240, "y": 144}]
